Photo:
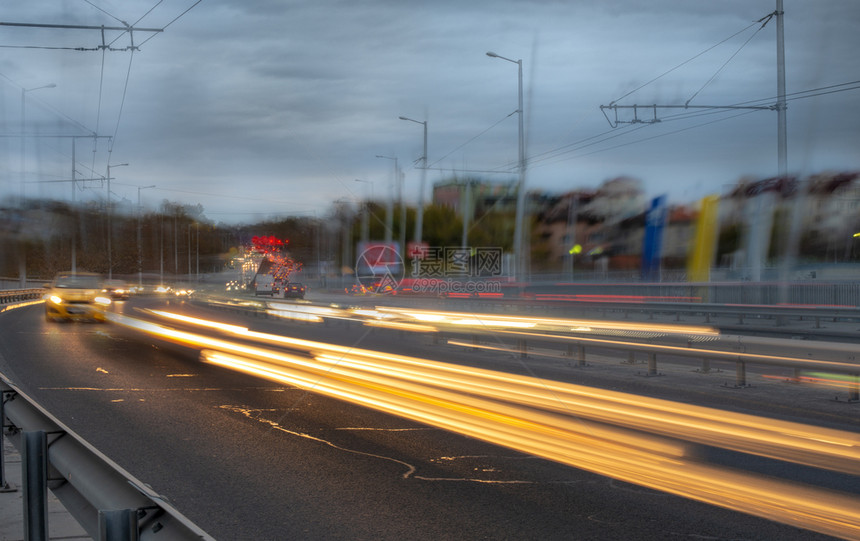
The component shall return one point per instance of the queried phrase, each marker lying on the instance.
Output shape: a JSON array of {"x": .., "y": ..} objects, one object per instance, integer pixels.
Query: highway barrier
[
  {"x": 559, "y": 333},
  {"x": 17, "y": 295},
  {"x": 108, "y": 502}
]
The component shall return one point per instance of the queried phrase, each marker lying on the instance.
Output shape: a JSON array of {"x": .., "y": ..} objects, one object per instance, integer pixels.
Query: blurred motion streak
[
  {"x": 833, "y": 381},
  {"x": 19, "y": 305},
  {"x": 691, "y": 351},
  {"x": 632, "y": 438},
  {"x": 495, "y": 321}
]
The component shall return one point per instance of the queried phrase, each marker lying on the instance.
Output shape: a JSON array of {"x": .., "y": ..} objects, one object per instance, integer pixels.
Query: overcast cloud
[{"x": 258, "y": 108}]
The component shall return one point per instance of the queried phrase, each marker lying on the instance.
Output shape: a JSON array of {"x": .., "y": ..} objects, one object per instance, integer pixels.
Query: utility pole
[
  {"x": 782, "y": 136},
  {"x": 762, "y": 222},
  {"x": 522, "y": 255},
  {"x": 139, "y": 254},
  {"x": 110, "y": 220},
  {"x": 389, "y": 206},
  {"x": 779, "y": 106},
  {"x": 419, "y": 218}
]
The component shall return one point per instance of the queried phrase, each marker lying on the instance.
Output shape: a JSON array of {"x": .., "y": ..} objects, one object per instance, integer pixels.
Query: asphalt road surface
[{"x": 245, "y": 458}]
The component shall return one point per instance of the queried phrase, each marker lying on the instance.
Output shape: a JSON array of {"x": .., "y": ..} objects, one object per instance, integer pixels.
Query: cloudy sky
[{"x": 262, "y": 108}]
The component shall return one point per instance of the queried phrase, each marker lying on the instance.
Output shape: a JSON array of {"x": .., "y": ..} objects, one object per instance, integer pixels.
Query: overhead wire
[
  {"x": 726, "y": 63},
  {"x": 130, "y": 60},
  {"x": 510, "y": 165},
  {"x": 640, "y": 87},
  {"x": 579, "y": 145},
  {"x": 472, "y": 139},
  {"x": 121, "y": 104},
  {"x": 106, "y": 13},
  {"x": 173, "y": 21},
  {"x": 820, "y": 91},
  {"x": 131, "y": 27}
]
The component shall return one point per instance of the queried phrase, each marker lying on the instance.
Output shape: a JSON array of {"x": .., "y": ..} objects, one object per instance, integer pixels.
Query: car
[
  {"x": 116, "y": 289},
  {"x": 294, "y": 290},
  {"x": 76, "y": 296}
]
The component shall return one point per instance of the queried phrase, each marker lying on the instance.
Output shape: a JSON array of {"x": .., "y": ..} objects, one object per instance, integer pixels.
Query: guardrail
[
  {"x": 8, "y": 296},
  {"x": 108, "y": 502},
  {"x": 799, "y": 355},
  {"x": 820, "y": 292},
  {"x": 779, "y": 313}
]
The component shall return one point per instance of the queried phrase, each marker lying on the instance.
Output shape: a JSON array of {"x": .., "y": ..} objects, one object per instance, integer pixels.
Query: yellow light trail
[
  {"x": 813, "y": 446},
  {"x": 495, "y": 321},
  {"x": 627, "y": 437}
]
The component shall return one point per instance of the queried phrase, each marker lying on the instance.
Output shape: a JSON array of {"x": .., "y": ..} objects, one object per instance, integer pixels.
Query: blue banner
[{"x": 652, "y": 246}]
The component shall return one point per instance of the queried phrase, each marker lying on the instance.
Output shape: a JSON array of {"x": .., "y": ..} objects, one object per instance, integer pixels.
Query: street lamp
[
  {"x": 110, "y": 220},
  {"x": 23, "y": 137},
  {"x": 139, "y": 256},
  {"x": 389, "y": 205},
  {"x": 365, "y": 217},
  {"x": 22, "y": 258},
  {"x": 419, "y": 219},
  {"x": 520, "y": 256}
]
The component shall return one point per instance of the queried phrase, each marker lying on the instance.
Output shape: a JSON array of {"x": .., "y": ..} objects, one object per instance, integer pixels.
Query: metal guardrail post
[
  {"x": 34, "y": 466},
  {"x": 854, "y": 391},
  {"x": 523, "y": 348},
  {"x": 89, "y": 481},
  {"x": 118, "y": 525},
  {"x": 5, "y": 485},
  {"x": 580, "y": 355},
  {"x": 652, "y": 364},
  {"x": 741, "y": 380}
]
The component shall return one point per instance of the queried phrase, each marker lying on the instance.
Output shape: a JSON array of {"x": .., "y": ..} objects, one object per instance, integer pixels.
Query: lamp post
[
  {"x": 389, "y": 205},
  {"x": 22, "y": 258},
  {"x": 365, "y": 216},
  {"x": 110, "y": 220},
  {"x": 23, "y": 137},
  {"x": 520, "y": 256},
  {"x": 139, "y": 257},
  {"x": 419, "y": 218}
]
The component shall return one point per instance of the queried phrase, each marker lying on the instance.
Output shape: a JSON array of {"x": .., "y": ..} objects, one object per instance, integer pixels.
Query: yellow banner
[{"x": 701, "y": 253}]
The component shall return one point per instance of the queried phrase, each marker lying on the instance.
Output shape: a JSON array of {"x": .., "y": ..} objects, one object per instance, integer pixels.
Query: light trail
[
  {"x": 689, "y": 350},
  {"x": 496, "y": 321},
  {"x": 632, "y": 438},
  {"x": 812, "y": 446}
]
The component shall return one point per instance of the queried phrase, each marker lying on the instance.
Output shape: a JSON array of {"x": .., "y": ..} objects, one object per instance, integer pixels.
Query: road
[{"x": 247, "y": 458}]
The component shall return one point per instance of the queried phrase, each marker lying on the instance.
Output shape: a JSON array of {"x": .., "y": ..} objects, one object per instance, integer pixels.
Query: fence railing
[
  {"x": 108, "y": 502},
  {"x": 18, "y": 295},
  {"x": 798, "y": 355}
]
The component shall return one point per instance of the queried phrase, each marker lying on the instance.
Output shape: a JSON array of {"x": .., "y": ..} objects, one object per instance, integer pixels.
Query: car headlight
[
  {"x": 102, "y": 300},
  {"x": 55, "y": 299}
]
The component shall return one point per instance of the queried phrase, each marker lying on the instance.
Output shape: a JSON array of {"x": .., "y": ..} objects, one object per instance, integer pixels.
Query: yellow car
[{"x": 76, "y": 296}]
